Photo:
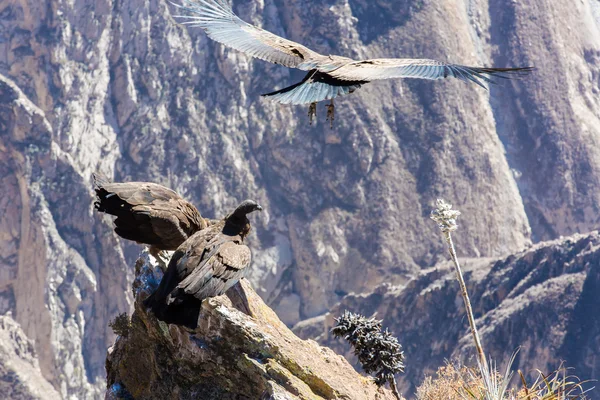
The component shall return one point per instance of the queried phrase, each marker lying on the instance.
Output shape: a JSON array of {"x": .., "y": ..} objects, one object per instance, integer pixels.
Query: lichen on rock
[{"x": 240, "y": 350}]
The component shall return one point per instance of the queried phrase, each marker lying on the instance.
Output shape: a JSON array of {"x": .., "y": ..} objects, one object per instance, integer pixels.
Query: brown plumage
[
  {"x": 148, "y": 213},
  {"x": 206, "y": 265}
]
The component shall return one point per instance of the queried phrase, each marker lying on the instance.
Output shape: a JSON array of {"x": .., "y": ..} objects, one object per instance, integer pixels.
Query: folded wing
[
  {"x": 220, "y": 269},
  {"x": 220, "y": 23}
]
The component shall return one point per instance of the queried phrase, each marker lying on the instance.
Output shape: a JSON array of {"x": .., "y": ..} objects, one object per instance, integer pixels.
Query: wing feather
[
  {"x": 315, "y": 86},
  {"x": 222, "y": 25},
  {"x": 218, "y": 270},
  {"x": 148, "y": 213},
  {"x": 390, "y": 68},
  {"x": 234, "y": 256},
  {"x": 310, "y": 92}
]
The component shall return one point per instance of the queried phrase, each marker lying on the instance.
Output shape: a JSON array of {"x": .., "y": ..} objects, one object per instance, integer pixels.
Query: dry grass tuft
[
  {"x": 451, "y": 383},
  {"x": 558, "y": 385},
  {"x": 462, "y": 383}
]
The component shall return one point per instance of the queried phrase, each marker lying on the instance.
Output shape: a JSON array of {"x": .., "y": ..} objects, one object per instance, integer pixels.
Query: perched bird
[
  {"x": 148, "y": 213},
  {"x": 205, "y": 265},
  {"x": 329, "y": 76}
]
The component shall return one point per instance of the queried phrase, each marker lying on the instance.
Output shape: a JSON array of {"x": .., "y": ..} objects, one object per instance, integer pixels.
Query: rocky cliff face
[
  {"x": 542, "y": 300},
  {"x": 117, "y": 86},
  {"x": 240, "y": 350},
  {"x": 19, "y": 365},
  {"x": 62, "y": 276}
]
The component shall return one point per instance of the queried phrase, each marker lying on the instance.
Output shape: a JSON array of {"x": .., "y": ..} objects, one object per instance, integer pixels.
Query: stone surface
[
  {"x": 19, "y": 366},
  {"x": 543, "y": 300},
  {"x": 240, "y": 350},
  {"x": 57, "y": 280},
  {"x": 117, "y": 86}
]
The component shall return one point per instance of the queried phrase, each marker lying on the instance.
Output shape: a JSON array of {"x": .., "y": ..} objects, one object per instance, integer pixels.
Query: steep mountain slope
[
  {"x": 19, "y": 366},
  {"x": 117, "y": 86},
  {"x": 543, "y": 301}
]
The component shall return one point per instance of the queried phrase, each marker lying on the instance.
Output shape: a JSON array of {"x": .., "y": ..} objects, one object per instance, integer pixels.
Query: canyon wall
[{"x": 117, "y": 86}]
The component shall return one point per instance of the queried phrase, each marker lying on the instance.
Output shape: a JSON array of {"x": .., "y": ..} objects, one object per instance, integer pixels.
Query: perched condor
[
  {"x": 205, "y": 265},
  {"x": 328, "y": 76},
  {"x": 148, "y": 213}
]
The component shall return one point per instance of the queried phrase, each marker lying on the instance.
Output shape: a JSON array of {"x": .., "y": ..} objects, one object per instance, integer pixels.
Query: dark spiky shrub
[{"x": 378, "y": 351}]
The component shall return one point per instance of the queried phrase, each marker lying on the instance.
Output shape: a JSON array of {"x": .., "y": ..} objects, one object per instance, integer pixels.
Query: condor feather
[{"x": 205, "y": 265}]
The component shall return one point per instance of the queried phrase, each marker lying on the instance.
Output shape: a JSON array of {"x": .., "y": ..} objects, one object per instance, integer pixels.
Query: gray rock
[
  {"x": 240, "y": 350},
  {"x": 19, "y": 367},
  {"x": 117, "y": 86},
  {"x": 543, "y": 300}
]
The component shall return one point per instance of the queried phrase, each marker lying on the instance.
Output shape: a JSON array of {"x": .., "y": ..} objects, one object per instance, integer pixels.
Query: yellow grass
[{"x": 454, "y": 382}]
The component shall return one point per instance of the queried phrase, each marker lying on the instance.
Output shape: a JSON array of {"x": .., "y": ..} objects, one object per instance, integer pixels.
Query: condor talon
[
  {"x": 331, "y": 113},
  {"x": 312, "y": 112}
]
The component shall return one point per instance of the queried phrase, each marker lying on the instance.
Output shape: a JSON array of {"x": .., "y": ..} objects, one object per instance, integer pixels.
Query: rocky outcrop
[
  {"x": 118, "y": 86},
  {"x": 543, "y": 300},
  {"x": 240, "y": 350}
]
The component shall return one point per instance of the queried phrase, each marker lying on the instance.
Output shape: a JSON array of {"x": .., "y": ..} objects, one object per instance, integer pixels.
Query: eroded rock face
[
  {"x": 19, "y": 366},
  {"x": 52, "y": 280},
  {"x": 117, "y": 86},
  {"x": 231, "y": 355},
  {"x": 543, "y": 300}
]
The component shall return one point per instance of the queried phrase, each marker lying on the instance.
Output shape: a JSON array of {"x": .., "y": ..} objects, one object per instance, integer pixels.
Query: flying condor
[{"x": 328, "y": 76}]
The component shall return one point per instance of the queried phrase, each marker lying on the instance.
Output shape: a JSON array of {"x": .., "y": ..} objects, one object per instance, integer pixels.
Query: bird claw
[
  {"x": 161, "y": 258},
  {"x": 331, "y": 113},
  {"x": 312, "y": 112}
]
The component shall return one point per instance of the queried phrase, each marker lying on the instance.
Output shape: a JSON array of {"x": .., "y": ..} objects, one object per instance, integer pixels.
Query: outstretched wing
[
  {"x": 390, "y": 68},
  {"x": 220, "y": 23},
  {"x": 134, "y": 193},
  {"x": 147, "y": 212}
]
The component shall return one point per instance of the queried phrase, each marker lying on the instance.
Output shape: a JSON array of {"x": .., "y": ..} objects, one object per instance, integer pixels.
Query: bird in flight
[
  {"x": 148, "y": 213},
  {"x": 328, "y": 76},
  {"x": 205, "y": 265}
]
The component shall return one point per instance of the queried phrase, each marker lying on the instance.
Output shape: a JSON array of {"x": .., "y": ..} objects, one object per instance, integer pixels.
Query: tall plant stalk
[
  {"x": 394, "y": 387},
  {"x": 446, "y": 217}
]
